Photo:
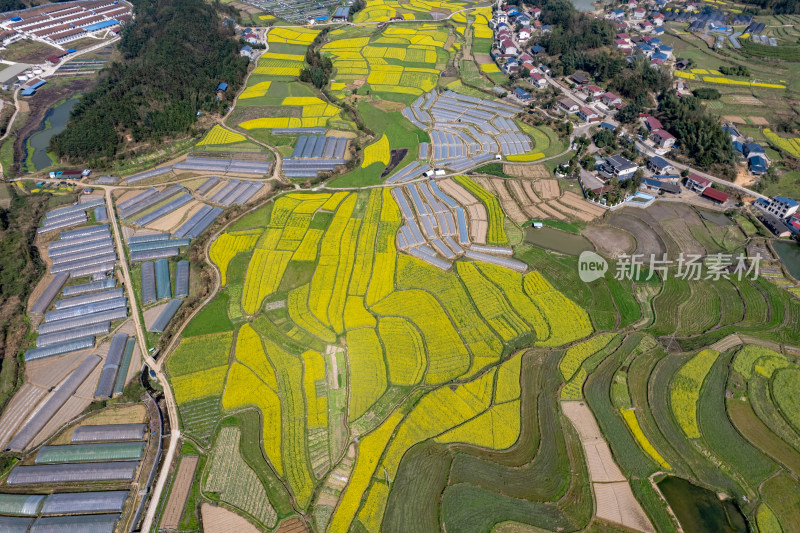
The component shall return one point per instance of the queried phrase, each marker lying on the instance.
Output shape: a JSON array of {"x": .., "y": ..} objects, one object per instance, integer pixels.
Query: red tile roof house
[
  {"x": 652, "y": 123},
  {"x": 508, "y": 47},
  {"x": 697, "y": 183},
  {"x": 610, "y": 99},
  {"x": 587, "y": 114},
  {"x": 538, "y": 81},
  {"x": 662, "y": 138},
  {"x": 715, "y": 195},
  {"x": 594, "y": 91}
]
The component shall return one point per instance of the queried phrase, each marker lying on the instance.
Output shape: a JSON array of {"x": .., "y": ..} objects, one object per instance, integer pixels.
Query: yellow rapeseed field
[
  {"x": 685, "y": 390},
  {"x": 633, "y": 424},
  {"x": 220, "y": 135},
  {"x": 377, "y": 152},
  {"x": 226, "y": 247}
]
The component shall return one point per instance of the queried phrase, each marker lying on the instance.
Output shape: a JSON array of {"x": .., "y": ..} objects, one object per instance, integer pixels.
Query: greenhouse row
[
  {"x": 91, "y": 286},
  {"x": 99, "y": 523},
  {"x": 160, "y": 323},
  {"x": 59, "y": 348},
  {"x": 91, "y": 330},
  {"x": 85, "y": 453},
  {"x": 108, "y": 377},
  {"x": 122, "y": 206},
  {"x": 98, "y": 271},
  {"x": 49, "y": 294},
  {"x": 301, "y": 168},
  {"x": 76, "y": 208},
  {"x": 86, "y": 309},
  {"x": 109, "y": 432},
  {"x": 92, "y": 242},
  {"x": 148, "y": 283},
  {"x": 198, "y": 222},
  {"x": 225, "y": 191},
  {"x": 103, "y": 233},
  {"x": 166, "y": 209},
  {"x": 83, "y": 232},
  {"x": 106, "y": 250},
  {"x": 73, "y": 473},
  {"x": 150, "y": 201},
  {"x": 68, "y": 222},
  {"x": 85, "y": 320},
  {"x": 154, "y": 254},
  {"x": 100, "y": 214},
  {"x": 35, "y": 424},
  {"x": 127, "y": 357},
  {"x": 148, "y": 174},
  {"x": 137, "y": 239},
  {"x": 207, "y": 185},
  {"x": 157, "y": 245},
  {"x": 241, "y": 194},
  {"x": 163, "y": 288},
  {"x": 182, "y": 279},
  {"x": 81, "y": 264}
]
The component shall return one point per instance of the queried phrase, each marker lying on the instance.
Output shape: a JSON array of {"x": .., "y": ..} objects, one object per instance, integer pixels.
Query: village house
[
  {"x": 568, "y": 105},
  {"x": 593, "y": 91},
  {"x": 579, "y": 78},
  {"x": 587, "y": 114},
  {"x": 659, "y": 165},
  {"x": 780, "y": 206},
  {"x": 537, "y": 80},
  {"x": 662, "y": 138},
  {"x": 715, "y": 195},
  {"x": 697, "y": 183},
  {"x": 610, "y": 98},
  {"x": 619, "y": 167}
]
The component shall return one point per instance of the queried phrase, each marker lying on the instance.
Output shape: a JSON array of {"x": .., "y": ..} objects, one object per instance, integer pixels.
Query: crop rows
[
  {"x": 196, "y": 385},
  {"x": 220, "y": 135},
  {"x": 314, "y": 374},
  {"x": 367, "y": 370},
  {"x": 405, "y": 350},
  {"x": 297, "y": 303},
  {"x": 199, "y": 353},
  {"x": 496, "y": 233},
  {"x": 491, "y": 303},
  {"x": 685, "y": 390},
  {"x": 577, "y": 354}
]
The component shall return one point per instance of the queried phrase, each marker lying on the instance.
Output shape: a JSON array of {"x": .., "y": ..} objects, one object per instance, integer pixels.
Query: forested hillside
[{"x": 174, "y": 56}]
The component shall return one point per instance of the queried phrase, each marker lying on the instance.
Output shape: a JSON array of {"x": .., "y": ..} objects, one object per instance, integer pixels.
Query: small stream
[{"x": 55, "y": 121}]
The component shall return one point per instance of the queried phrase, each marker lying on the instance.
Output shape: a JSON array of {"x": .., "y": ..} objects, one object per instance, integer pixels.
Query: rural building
[
  {"x": 715, "y": 195},
  {"x": 757, "y": 164},
  {"x": 538, "y": 81},
  {"x": 522, "y": 95},
  {"x": 780, "y": 206},
  {"x": 662, "y": 138},
  {"x": 610, "y": 98},
  {"x": 654, "y": 185},
  {"x": 341, "y": 14},
  {"x": 659, "y": 165},
  {"x": 568, "y": 105},
  {"x": 580, "y": 78},
  {"x": 652, "y": 123},
  {"x": 587, "y": 114},
  {"x": 776, "y": 226},
  {"x": 697, "y": 183},
  {"x": 618, "y": 166}
]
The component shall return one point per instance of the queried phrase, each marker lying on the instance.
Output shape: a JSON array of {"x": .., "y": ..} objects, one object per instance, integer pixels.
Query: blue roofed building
[
  {"x": 608, "y": 126},
  {"x": 751, "y": 149},
  {"x": 659, "y": 165},
  {"x": 522, "y": 95},
  {"x": 738, "y": 147},
  {"x": 757, "y": 164},
  {"x": 537, "y": 49},
  {"x": 779, "y": 206},
  {"x": 222, "y": 86}
]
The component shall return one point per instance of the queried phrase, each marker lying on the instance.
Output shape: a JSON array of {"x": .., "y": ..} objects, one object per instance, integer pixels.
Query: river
[{"x": 54, "y": 122}]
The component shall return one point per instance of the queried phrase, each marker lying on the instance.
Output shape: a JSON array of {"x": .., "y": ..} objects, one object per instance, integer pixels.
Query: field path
[{"x": 614, "y": 499}]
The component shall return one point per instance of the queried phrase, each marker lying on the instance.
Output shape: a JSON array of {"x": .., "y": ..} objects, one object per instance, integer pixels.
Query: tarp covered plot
[
  {"x": 35, "y": 424},
  {"x": 108, "y": 377},
  {"x": 96, "y": 523},
  {"x": 73, "y": 473},
  {"x": 90, "y": 452},
  {"x": 182, "y": 279},
  {"x": 109, "y": 432},
  {"x": 110, "y": 501},
  {"x": 163, "y": 288},
  {"x": 49, "y": 294}
]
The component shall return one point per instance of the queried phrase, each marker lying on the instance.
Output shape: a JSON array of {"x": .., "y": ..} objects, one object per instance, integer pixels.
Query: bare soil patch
[
  {"x": 521, "y": 170},
  {"x": 389, "y": 105},
  {"x": 172, "y": 220},
  {"x": 734, "y": 118},
  {"x": 220, "y": 520},
  {"x": 546, "y": 189},
  {"x": 647, "y": 241},
  {"x": 292, "y": 525},
  {"x": 610, "y": 242},
  {"x": 151, "y": 314},
  {"x": 397, "y": 155},
  {"x": 759, "y": 121},
  {"x": 180, "y": 493}
]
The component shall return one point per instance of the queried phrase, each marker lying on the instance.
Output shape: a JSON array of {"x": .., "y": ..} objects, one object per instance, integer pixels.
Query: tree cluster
[
  {"x": 707, "y": 93},
  {"x": 738, "y": 70},
  {"x": 174, "y": 56},
  {"x": 699, "y": 134},
  {"x": 572, "y": 30},
  {"x": 319, "y": 67}
]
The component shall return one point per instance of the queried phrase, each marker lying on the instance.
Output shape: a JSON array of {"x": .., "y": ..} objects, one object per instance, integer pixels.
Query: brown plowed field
[
  {"x": 180, "y": 493},
  {"x": 220, "y": 520}
]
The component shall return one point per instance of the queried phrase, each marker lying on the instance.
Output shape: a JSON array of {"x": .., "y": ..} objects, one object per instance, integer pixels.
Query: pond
[
  {"x": 789, "y": 252},
  {"x": 557, "y": 240},
  {"x": 700, "y": 510},
  {"x": 54, "y": 122}
]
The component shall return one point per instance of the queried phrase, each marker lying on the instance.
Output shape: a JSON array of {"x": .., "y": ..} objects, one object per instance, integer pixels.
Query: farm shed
[
  {"x": 160, "y": 323},
  {"x": 59, "y": 348},
  {"x": 109, "y": 432},
  {"x": 148, "y": 283},
  {"x": 96, "y": 523},
  {"x": 35, "y": 424},
  {"x": 163, "y": 286},
  {"x": 109, "y": 501},
  {"x": 15, "y": 524},
  {"x": 92, "y": 330},
  {"x": 182, "y": 279},
  {"x": 108, "y": 377},
  {"x": 91, "y": 286},
  {"x": 84, "y": 453},
  {"x": 127, "y": 356},
  {"x": 73, "y": 473},
  {"x": 49, "y": 294},
  {"x": 715, "y": 195},
  {"x": 20, "y": 504}
]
